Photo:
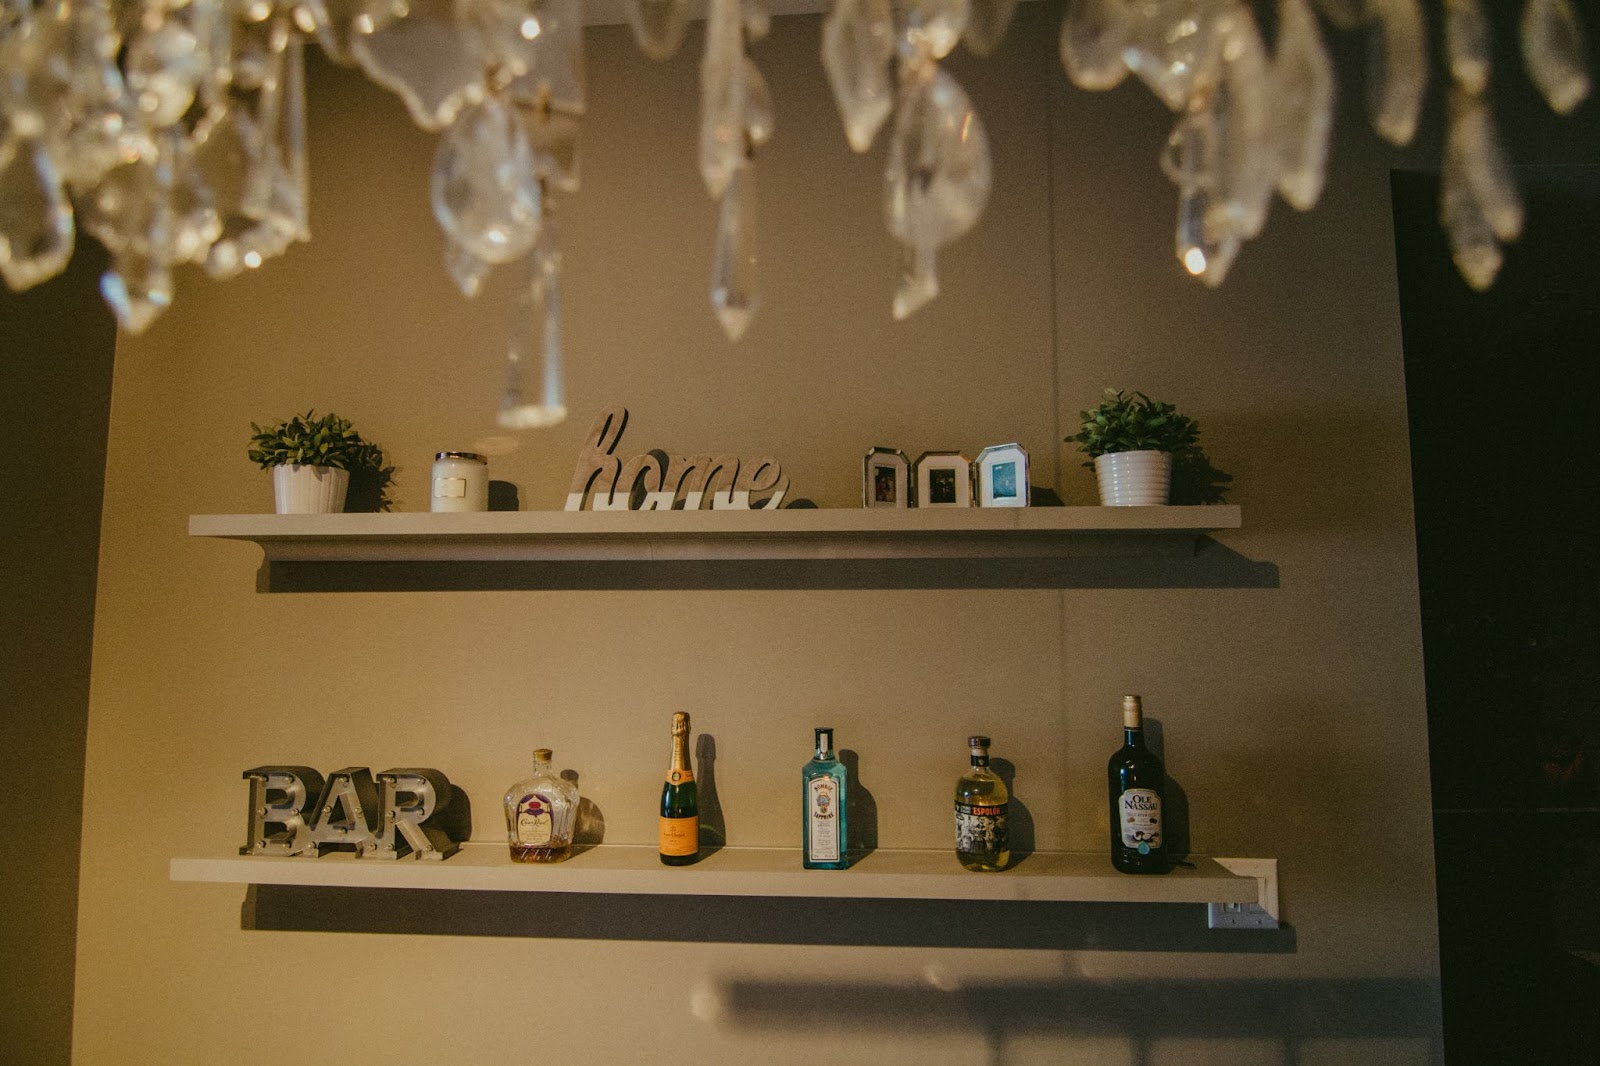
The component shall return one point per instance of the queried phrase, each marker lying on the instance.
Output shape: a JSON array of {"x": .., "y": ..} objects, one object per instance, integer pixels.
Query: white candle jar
[{"x": 460, "y": 482}]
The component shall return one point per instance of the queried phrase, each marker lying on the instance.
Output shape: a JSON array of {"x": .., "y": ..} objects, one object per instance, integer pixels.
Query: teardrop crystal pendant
[
  {"x": 1240, "y": 105},
  {"x": 759, "y": 119},
  {"x": 987, "y": 23},
  {"x": 1397, "y": 68},
  {"x": 1204, "y": 241},
  {"x": 658, "y": 25},
  {"x": 938, "y": 176},
  {"x": 138, "y": 287},
  {"x": 857, "y": 44},
  {"x": 1552, "y": 49},
  {"x": 929, "y": 29},
  {"x": 1205, "y": 245},
  {"x": 1473, "y": 246},
  {"x": 465, "y": 269},
  {"x": 919, "y": 281},
  {"x": 722, "y": 96},
  {"x": 735, "y": 277},
  {"x": 1466, "y": 44},
  {"x": 485, "y": 190},
  {"x": 1174, "y": 45},
  {"x": 36, "y": 221},
  {"x": 535, "y": 393},
  {"x": 1093, "y": 36},
  {"x": 163, "y": 68},
  {"x": 1302, "y": 91},
  {"x": 1474, "y": 154}
]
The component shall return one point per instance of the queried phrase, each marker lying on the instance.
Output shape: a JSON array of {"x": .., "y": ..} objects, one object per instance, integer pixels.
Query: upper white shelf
[
  {"x": 635, "y": 869},
  {"x": 796, "y": 533}
]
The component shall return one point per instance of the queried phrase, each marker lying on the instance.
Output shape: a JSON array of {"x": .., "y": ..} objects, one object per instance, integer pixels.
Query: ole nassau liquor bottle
[
  {"x": 982, "y": 840},
  {"x": 1136, "y": 782},
  {"x": 680, "y": 806},
  {"x": 822, "y": 782}
]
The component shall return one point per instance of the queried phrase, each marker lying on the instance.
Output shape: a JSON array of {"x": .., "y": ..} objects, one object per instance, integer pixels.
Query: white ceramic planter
[
  {"x": 309, "y": 489},
  {"x": 1134, "y": 479}
]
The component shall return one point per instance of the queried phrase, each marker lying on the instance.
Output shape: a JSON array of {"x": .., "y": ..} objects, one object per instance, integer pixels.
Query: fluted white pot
[
  {"x": 309, "y": 489},
  {"x": 1134, "y": 479}
]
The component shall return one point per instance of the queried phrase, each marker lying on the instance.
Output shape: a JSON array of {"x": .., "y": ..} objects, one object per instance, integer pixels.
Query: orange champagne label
[
  {"x": 680, "y": 836},
  {"x": 678, "y": 777}
]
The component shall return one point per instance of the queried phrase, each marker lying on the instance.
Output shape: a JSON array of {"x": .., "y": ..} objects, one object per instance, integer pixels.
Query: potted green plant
[
  {"x": 313, "y": 461},
  {"x": 1131, "y": 442}
]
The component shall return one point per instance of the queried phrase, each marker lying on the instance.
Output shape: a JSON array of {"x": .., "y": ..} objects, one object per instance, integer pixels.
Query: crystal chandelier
[{"x": 173, "y": 131}]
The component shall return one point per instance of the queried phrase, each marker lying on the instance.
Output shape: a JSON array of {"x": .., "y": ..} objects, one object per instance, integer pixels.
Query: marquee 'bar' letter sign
[
  {"x": 293, "y": 811},
  {"x": 656, "y": 481}
]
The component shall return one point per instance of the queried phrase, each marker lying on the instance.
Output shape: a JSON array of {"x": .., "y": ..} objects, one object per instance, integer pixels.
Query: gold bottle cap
[
  {"x": 1132, "y": 713},
  {"x": 542, "y": 754},
  {"x": 680, "y": 724}
]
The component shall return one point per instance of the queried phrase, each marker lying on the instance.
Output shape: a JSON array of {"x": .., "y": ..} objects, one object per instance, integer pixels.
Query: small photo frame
[
  {"x": 944, "y": 479},
  {"x": 1002, "y": 476},
  {"x": 886, "y": 479}
]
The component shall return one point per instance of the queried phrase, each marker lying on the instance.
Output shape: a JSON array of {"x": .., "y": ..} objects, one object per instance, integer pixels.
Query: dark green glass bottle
[
  {"x": 680, "y": 803},
  {"x": 1136, "y": 781}
]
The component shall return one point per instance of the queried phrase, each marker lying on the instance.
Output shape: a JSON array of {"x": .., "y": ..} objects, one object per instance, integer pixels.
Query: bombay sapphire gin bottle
[
  {"x": 823, "y": 783},
  {"x": 540, "y": 813}
]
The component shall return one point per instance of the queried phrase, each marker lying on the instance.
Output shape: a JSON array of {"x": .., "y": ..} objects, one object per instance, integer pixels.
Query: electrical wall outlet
[{"x": 1263, "y": 914}]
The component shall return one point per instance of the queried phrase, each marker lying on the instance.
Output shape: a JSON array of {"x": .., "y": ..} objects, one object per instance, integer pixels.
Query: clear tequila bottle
[
  {"x": 823, "y": 784},
  {"x": 540, "y": 813}
]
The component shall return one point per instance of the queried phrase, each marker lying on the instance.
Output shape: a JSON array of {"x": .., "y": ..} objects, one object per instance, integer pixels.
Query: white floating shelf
[
  {"x": 632, "y": 869},
  {"x": 648, "y": 536}
]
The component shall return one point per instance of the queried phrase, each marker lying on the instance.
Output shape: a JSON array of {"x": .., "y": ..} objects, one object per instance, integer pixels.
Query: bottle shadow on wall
[
  {"x": 1174, "y": 800},
  {"x": 713, "y": 827},
  {"x": 589, "y": 823},
  {"x": 1019, "y": 820},
  {"x": 860, "y": 810}
]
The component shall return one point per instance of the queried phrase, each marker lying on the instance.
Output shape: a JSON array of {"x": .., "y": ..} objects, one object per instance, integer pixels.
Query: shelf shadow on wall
[
  {"x": 754, "y": 919},
  {"x": 1210, "y": 565},
  {"x": 1286, "y": 1012}
]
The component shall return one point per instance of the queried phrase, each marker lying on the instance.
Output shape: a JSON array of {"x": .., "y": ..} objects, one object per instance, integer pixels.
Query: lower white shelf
[{"x": 635, "y": 869}]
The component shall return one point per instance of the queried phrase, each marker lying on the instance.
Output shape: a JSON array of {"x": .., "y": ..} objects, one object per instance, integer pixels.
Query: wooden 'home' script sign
[{"x": 656, "y": 481}]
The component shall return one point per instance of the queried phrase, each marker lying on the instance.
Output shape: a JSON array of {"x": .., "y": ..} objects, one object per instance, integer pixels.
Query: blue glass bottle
[{"x": 823, "y": 785}]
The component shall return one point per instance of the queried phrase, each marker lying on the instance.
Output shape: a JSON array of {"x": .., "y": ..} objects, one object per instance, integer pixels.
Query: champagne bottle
[
  {"x": 823, "y": 787},
  {"x": 680, "y": 807},
  {"x": 982, "y": 838},
  {"x": 1136, "y": 781}
]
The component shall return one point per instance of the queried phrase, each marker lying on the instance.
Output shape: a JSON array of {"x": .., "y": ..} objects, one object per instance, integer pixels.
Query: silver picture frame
[
  {"x": 943, "y": 479},
  {"x": 1001, "y": 473},
  {"x": 886, "y": 479}
]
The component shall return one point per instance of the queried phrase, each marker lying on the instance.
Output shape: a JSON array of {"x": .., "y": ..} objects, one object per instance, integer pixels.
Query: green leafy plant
[
  {"x": 1124, "y": 423},
  {"x": 307, "y": 440}
]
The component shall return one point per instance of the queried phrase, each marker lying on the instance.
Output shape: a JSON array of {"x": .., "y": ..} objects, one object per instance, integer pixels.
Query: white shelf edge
[
  {"x": 795, "y": 533},
  {"x": 739, "y": 871}
]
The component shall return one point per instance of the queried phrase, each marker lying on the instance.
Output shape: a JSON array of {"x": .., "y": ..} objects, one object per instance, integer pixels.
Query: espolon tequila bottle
[
  {"x": 540, "y": 813},
  {"x": 823, "y": 784},
  {"x": 982, "y": 838}
]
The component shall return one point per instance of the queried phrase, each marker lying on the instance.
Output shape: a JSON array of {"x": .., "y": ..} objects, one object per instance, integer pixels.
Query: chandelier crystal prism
[{"x": 173, "y": 131}]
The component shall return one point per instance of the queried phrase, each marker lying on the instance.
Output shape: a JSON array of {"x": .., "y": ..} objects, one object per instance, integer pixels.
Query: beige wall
[{"x": 1290, "y": 694}]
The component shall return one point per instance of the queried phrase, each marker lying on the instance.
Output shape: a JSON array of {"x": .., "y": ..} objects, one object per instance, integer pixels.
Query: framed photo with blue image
[{"x": 1002, "y": 475}]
